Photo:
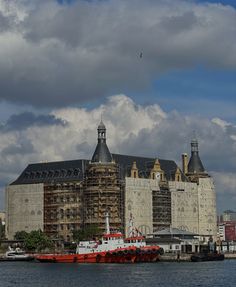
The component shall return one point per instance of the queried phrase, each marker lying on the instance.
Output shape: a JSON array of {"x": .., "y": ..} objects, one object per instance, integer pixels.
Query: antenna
[
  {"x": 131, "y": 226},
  {"x": 107, "y": 223},
  {"x": 194, "y": 135}
]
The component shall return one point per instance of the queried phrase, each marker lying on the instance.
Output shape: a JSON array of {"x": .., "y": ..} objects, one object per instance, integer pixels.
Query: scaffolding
[
  {"x": 161, "y": 208},
  {"x": 62, "y": 209},
  {"x": 103, "y": 191}
]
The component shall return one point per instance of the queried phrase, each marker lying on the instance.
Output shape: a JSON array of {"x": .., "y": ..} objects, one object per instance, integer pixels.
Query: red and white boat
[{"x": 112, "y": 248}]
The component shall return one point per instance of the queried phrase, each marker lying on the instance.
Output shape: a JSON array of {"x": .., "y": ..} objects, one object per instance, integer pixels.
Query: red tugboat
[{"x": 111, "y": 249}]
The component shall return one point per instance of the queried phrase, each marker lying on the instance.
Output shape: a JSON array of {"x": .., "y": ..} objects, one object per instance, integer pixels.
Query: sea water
[{"x": 205, "y": 274}]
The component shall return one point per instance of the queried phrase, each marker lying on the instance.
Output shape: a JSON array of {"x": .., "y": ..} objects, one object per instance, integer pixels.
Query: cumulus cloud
[
  {"x": 131, "y": 129},
  {"x": 227, "y": 127},
  {"x": 91, "y": 49}
]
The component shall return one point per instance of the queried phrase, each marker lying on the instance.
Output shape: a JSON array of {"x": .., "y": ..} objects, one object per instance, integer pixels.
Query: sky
[{"x": 155, "y": 70}]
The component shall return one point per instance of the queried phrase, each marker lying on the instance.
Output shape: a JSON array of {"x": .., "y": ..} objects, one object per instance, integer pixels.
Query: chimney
[{"x": 185, "y": 163}]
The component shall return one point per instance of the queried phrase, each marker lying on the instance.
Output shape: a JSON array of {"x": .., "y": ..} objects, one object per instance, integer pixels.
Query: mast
[
  {"x": 131, "y": 226},
  {"x": 107, "y": 223}
]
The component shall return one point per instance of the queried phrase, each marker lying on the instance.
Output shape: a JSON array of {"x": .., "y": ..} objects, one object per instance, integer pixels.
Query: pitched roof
[
  {"x": 102, "y": 153},
  {"x": 74, "y": 170},
  {"x": 173, "y": 232},
  {"x": 144, "y": 165},
  {"x": 52, "y": 172}
]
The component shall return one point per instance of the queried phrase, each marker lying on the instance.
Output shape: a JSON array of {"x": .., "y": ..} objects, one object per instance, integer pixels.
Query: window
[
  {"x": 69, "y": 172},
  {"x": 56, "y": 173}
]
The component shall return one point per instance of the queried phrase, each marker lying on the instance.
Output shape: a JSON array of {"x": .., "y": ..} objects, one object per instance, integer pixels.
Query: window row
[{"x": 52, "y": 173}]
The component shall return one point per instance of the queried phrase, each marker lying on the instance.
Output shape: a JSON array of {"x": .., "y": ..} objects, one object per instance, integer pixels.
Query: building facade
[{"x": 60, "y": 197}]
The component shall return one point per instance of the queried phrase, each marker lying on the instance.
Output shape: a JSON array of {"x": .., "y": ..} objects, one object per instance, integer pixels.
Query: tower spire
[
  {"x": 102, "y": 153},
  {"x": 195, "y": 164}
]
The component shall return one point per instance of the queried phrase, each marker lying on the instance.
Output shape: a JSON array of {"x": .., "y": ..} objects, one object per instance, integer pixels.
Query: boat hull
[
  {"x": 132, "y": 255},
  {"x": 86, "y": 258},
  {"x": 207, "y": 257},
  {"x": 29, "y": 258}
]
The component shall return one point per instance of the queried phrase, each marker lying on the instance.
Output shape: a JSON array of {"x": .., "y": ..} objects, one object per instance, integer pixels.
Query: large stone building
[{"x": 59, "y": 197}]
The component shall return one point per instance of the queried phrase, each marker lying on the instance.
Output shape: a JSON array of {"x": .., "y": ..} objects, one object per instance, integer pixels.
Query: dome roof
[
  {"x": 101, "y": 125},
  {"x": 195, "y": 164},
  {"x": 102, "y": 153}
]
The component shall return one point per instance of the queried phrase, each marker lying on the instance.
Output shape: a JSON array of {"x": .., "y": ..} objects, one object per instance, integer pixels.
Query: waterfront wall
[
  {"x": 193, "y": 206},
  {"x": 138, "y": 201},
  {"x": 184, "y": 206},
  {"x": 24, "y": 205},
  {"x": 207, "y": 207}
]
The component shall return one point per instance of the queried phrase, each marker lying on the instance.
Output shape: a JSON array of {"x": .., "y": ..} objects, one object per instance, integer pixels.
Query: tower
[
  {"x": 102, "y": 187},
  {"x": 205, "y": 193},
  {"x": 195, "y": 169},
  {"x": 102, "y": 153}
]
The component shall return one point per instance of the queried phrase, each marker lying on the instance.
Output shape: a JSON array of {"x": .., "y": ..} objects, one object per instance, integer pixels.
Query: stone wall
[
  {"x": 207, "y": 207},
  {"x": 24, "y": 208},
  {"x": 138, "y": 202},
  {"x": 193, "y": 206},
  {"x": 184, "y": 206}
]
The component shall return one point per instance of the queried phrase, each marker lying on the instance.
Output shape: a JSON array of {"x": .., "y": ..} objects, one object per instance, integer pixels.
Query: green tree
[
  {"x": 36, "y": 240},
  {"x": 87, "y": 233},
  {"x": 21, "y": 235}
]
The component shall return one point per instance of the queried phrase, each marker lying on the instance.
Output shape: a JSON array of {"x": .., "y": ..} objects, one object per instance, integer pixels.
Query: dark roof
[
  {"x": 173, "y": 232},
  {"x": 150, "y": 241},
  {"x": 101, "y": 125},
  {"x": 144, "y": 165},
  {"x": 102, "y": 153},
  {"x": 195, "y": 164},
  {"x": 51, "y": 172},
  {"x": 73, "y": 170}
]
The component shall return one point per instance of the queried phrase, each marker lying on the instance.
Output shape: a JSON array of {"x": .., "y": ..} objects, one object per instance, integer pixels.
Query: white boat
[{"x": 16, "y": 255}]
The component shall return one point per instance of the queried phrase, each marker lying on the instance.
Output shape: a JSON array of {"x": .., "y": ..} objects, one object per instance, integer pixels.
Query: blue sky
[
  {"x": 210, "y": 92},
  {"x": 85, "y": 61},
  {"x": 224, "y": 2}
]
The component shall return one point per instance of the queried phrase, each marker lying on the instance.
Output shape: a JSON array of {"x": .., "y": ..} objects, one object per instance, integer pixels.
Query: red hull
[{"x": 131, "y": 255}]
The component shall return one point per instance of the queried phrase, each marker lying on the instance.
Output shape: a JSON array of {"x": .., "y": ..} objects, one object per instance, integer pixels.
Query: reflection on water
[{"x": 205, "y": 274}]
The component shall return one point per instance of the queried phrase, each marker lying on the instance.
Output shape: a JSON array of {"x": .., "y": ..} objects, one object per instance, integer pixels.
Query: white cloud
[
  {"x": 226, "y": 126},
  {"x": 131, "y": 129}
]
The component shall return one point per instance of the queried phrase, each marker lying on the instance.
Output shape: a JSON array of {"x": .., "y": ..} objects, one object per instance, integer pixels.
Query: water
[{"x": 205, "y": 274}]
